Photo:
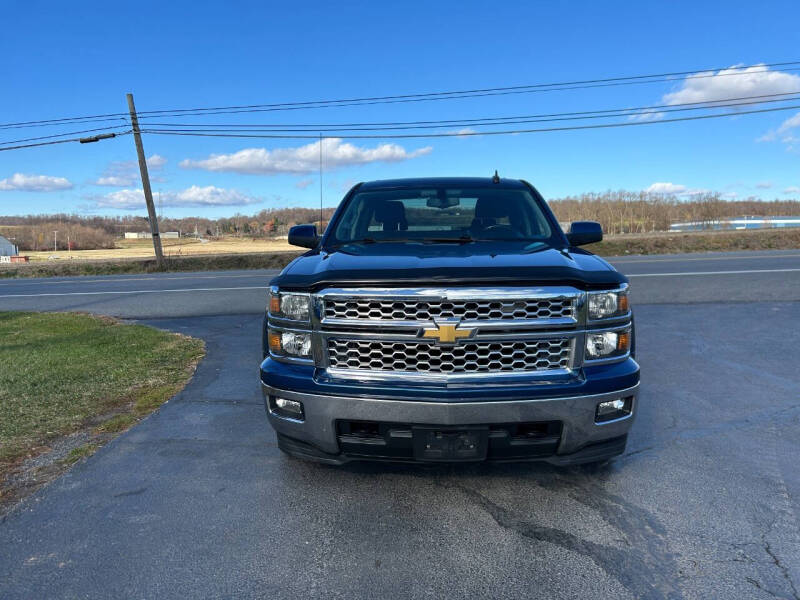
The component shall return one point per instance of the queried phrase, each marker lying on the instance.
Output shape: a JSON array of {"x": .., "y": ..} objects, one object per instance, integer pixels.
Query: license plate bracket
[{"x": 446, "y": 444}]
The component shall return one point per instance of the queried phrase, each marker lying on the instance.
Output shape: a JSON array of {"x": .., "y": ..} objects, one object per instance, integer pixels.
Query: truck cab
[{"x": 449, "y": 319}]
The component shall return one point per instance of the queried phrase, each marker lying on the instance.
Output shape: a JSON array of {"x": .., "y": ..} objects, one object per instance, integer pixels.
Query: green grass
[
  {"x": 61, "y": 372},
  {"x": 78, "y": 453},
  {"x": 116, "y": 424}
]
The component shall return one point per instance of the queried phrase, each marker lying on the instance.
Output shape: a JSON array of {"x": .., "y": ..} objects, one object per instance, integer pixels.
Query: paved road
[
  {"x": 197, "y": 501},
  {"x": 729, "y": 277}
]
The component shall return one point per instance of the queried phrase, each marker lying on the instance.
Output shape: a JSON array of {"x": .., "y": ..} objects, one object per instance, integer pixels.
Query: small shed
[{"x": 7, "y": 248}]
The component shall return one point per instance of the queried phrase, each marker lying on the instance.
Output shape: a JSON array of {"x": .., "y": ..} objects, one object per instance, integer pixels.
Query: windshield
[{"x": 441, "y": 215}]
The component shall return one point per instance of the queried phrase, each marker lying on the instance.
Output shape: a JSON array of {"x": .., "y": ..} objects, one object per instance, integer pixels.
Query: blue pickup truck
[{"x": 449, "y": 319}]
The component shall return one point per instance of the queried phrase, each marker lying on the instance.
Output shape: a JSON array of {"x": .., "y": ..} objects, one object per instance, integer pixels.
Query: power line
[
  {"x": 47, "y": 137},
  {"x": 275, "y": 109},
  {"x": 416, "y": 97},
  {"x": 82, "y": 140},
  {"x": 489, "y": 121},
  {"x": 580, "y": 84},
  {"x": 474, "y": 133},
  {"x": 64, "y": 121}
]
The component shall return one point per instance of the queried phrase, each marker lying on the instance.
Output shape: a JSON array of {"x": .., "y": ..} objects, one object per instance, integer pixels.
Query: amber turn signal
[
  {"x": 275, "y": 304},
  {"x": 623, "y": 303},
  {"x": 624, "y": 342},
  {"x": 274, "y": 342}
]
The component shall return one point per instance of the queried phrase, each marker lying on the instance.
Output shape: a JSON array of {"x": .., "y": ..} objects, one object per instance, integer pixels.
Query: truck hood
[{"x": 412, "y": 264}]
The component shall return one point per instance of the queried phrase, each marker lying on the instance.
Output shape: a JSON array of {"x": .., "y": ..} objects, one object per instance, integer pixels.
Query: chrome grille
[
  {"x": 427, "y": 310},
  {"x": 471, "y": 357}
]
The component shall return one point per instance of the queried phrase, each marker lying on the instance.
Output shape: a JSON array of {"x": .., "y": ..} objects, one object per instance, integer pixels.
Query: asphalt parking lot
[{"x": 197, "y": 501}]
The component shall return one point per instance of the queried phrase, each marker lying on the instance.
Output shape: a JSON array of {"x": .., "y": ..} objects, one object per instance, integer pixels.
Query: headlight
[
  {"x": 288, "y": 305},
  {"x": 608, "y": 344},
  {"x": 294, "y": 344},
  {"x": 604, "y": 305}
]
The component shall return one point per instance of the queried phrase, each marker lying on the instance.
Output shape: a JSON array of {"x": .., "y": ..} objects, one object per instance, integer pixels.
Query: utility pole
[
  {"x": 55, "y": 241},
  {"x": 148, "y": 193}
]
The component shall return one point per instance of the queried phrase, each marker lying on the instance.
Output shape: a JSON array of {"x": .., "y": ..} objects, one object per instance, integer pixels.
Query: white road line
[
  {"x": 623, "y": 260},
  {"x": 113, "y": 279},
  {"x": 263, "y": 287},
  {"x": 219, "y": 289},
  {"x": 712, "y": 273}
]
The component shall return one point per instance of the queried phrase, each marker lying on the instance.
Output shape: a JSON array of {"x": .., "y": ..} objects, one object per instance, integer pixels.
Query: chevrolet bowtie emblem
[{"x": 446, "y": 333}]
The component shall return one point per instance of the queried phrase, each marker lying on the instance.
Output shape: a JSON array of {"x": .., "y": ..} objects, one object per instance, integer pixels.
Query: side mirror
[
  {"x": 304, "y": 236},
  {"x": 584, "y": 232}
]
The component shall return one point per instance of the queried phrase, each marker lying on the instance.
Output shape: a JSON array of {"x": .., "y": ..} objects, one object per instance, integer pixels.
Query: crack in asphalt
[
  {"x": 783, "y": 568},
  {"x": 630, "y": 568}
]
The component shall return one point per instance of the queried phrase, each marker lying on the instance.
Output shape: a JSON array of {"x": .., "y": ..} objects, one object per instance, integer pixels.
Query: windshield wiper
[
  {"x": 369, "y": 240},
  {"x": 464, "y": 239}
]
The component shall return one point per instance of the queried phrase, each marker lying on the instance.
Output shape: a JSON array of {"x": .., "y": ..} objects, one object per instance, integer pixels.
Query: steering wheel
[{"x": 502, "y": 229}]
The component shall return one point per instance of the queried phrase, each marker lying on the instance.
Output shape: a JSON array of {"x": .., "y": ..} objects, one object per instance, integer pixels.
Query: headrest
[
  {"x": 492, "y": 208},
  {"x": 390, "y": 211}
]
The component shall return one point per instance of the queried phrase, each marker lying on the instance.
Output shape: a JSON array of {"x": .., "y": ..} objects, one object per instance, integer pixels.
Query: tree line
[
  {"x": 642, "y": 212},
  {"x": 617, "y": 211}
]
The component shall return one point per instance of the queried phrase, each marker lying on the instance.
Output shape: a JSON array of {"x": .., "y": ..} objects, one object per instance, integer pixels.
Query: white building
[
  {"x": 737, "y": 223},
  {"x": 7, "y": 248},
  {"x": 146, "y": 235}
]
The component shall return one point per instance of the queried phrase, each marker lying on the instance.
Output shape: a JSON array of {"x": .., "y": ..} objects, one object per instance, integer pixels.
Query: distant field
[
  {"x": 191, "y": 255},
  {"x": 172, "y": 248}
]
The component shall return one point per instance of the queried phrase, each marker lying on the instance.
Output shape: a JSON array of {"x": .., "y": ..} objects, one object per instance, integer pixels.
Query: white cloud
[
  {"x": 464, "y": 132},
  {"x": 192, "y": 196},
  {"x": 126, "y": 173},
  {"x": 764, "y": 185},
  {"x": 156, "y": 161},
  {"x": 789, "y": 123},
  {"x": 303, "y": 159},
  {"x": 735, "y": 82},
  {"x": 674, "y": 189},
  {"x": 116, "y": 180},
  {"x": 647, "y": 115},
  {"x": 784, "y": 133},
  {"x": 792, "y": 189},
  {"x": 35, "y": 183},
  {"x": 303, "y": 184},
  {"x": 699, "y": 192},
  {"x": 666, "y": 188}
]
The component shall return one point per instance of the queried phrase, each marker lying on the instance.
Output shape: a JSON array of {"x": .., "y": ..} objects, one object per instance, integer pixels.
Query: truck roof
[{"x": 453, "y": 182}]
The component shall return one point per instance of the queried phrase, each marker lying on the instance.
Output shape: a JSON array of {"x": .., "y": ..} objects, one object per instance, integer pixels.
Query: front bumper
[{"x": 581, "y": 439}]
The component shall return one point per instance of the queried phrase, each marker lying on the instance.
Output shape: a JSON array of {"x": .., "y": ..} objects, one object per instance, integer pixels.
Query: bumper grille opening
[
  {"x": 470, "y": 357},
  {"x": 527, "y": 431},
  {"x": 376, "y": 309},
  {"x": 364, "y": 428},
  {"x": 395, "y": 441}
]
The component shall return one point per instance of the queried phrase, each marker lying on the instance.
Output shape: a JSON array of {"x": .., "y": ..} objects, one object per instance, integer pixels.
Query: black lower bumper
[{"x": 543, "y": 452}]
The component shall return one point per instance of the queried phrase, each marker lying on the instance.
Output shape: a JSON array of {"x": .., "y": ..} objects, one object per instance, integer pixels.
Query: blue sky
[{"x": 69, "y": 59}]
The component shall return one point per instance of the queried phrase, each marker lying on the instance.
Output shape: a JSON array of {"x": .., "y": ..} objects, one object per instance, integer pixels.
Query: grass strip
[{"x": 62, "y": 373}]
